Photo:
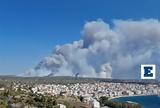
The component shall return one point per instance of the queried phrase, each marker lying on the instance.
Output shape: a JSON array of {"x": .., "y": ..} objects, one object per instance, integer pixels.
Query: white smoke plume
[{"x": 105, "y": 51}]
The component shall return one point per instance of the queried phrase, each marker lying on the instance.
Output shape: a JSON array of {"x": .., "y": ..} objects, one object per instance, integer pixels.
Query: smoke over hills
[{"x": 105, "y": 51}]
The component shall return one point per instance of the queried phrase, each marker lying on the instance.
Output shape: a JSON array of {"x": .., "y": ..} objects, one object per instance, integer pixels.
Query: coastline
[{"x": 116, "y": 97}]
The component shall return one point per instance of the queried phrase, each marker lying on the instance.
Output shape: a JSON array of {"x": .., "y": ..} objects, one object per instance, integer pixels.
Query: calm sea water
[{"x": 145, "y": 101}]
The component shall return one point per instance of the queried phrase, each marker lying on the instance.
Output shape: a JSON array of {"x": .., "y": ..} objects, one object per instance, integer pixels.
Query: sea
[{"x": 145, "y": 101}]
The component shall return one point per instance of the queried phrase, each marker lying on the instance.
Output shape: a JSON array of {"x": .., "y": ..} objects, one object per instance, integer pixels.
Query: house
[
  {"x": 62, "y": 106},
  {"x": 95, "y": 103}
]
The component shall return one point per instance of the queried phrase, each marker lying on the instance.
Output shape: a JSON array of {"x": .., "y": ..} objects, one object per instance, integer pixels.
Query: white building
[
  {"x": 96, "y": 104},
  {"x": 62, "y": 106}
]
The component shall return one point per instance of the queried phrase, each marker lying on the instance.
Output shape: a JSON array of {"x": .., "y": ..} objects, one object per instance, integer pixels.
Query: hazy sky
[{"x": 29, "y": 29}]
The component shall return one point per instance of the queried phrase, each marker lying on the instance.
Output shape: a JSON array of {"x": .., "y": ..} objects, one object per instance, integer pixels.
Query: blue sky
[{"x": 29, "y": 29}]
